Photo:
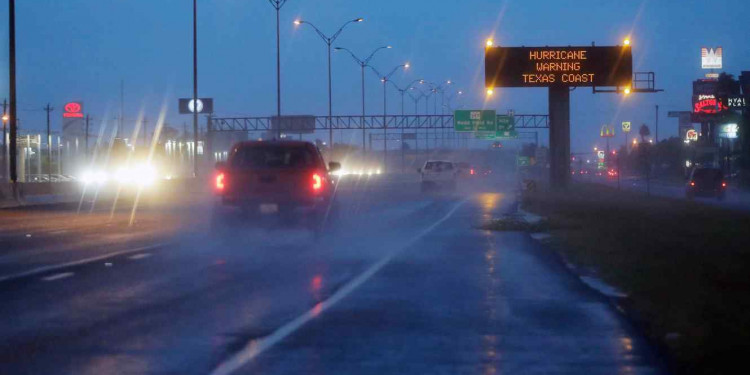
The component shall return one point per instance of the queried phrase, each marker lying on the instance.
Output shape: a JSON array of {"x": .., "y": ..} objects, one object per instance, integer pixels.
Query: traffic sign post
[
  {"x": 523, "y": 161},
  {"x": 625, "y": 130},
  {"x": 475, "y": 120}
]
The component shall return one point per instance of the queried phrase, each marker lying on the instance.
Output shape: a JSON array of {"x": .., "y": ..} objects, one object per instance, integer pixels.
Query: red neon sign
[
  {"x": 73, "y": 109},
  {"x": 708, "y": 104}
]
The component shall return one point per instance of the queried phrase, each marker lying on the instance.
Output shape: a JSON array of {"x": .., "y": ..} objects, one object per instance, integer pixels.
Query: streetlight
[
  {"x": 329, "y": 40},
  {"x": 489, "y": 43},
  {"x": 5, "y": 152},
  {"x": 362, "y": 63},
  {"x": 403, "y": 91},
  {"x": 277, "y": 4},
  {"x": 384, "y": 79},
  {"x": 450, "y": 98},
  {"x": 626, "y": 42}
]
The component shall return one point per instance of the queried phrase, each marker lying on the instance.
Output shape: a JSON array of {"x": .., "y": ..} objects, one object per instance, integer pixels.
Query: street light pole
[
  {"x": 195, "y": 88},
  {"x": 5, "y": 145},
  {"x": 12, "y": 87},
  {"x": 277, "y": 4},
  {"x": 329, "y": 40},
  {"x": 49, "y": 109},
  {"x": 384, "y": 79},
  {"x": 362, "y": 63}
]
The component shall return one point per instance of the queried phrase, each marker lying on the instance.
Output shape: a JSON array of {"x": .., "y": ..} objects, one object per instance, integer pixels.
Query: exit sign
[{"x": 474, "y": 120}]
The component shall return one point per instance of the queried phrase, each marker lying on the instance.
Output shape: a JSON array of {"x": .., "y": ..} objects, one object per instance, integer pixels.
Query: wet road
[{"x": 403, "y": 283}]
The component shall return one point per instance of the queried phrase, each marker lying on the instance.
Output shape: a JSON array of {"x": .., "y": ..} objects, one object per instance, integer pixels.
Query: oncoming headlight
[{"x": 145, "y": 175}]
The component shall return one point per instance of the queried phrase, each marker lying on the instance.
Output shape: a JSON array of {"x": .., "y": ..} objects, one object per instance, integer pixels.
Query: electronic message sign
[{"x": 558, "y": 66}]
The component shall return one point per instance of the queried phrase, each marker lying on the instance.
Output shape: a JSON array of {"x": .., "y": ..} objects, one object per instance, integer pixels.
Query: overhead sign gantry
[{"x": 559, "y": 69}]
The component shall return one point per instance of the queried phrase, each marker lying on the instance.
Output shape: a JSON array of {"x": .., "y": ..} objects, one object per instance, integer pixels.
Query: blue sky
[{"x": 81, "y": 49}]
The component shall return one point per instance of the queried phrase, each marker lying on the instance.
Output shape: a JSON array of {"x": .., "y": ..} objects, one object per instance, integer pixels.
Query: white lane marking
[
  {"x": 139, "y": 256},
  {"x": 44, "y": 269},
  {"x": 58, "y": 276},
  {"x": 255, "y": 347}
]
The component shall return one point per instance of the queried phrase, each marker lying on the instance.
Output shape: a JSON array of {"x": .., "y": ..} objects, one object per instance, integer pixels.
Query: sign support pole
[{"x": 559, "y": 136}]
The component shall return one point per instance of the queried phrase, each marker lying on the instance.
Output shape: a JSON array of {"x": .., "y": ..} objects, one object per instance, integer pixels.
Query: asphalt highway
[{"x": 399, "y": 282}]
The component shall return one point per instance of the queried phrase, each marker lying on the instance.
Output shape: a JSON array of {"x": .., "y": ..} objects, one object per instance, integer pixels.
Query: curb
[{"x": 617, "y": 301}]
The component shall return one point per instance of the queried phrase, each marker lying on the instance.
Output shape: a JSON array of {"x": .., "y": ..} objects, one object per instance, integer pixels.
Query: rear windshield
[
  {"x": 273, "y": 156},
  {"x": 707, "y": 174},
  {"x": 438, "y": 165}
]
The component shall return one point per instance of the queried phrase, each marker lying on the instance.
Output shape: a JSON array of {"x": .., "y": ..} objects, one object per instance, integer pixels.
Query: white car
[{"x": 438, "y": 174}]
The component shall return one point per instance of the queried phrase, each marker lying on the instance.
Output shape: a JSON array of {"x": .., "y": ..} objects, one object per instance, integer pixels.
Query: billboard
[
  {"x": 707, "y": 104},
  {"x": 72, "y": 122},
  {"x": 558, "y": 66},
  {"x": 711, "y": 58},
  {"x": 205, "y": 105},
  {"x": 295, "y": 124}
]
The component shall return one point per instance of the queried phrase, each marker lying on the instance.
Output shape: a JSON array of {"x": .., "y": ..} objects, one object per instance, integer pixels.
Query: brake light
[
  {"x": 317, "y": 182},
  {"x": 220, "y": 181},
  {"x": 723, "y": 184},
  {"x": 692, "y": 183},
  {"x": 471, "y": 171}
]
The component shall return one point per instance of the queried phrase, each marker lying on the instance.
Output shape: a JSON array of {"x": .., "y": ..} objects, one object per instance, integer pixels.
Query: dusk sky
[{"x": 82, "y": 49}]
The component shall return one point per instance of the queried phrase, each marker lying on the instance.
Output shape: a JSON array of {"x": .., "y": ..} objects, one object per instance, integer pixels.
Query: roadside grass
[{"x": 684, "y": 265}]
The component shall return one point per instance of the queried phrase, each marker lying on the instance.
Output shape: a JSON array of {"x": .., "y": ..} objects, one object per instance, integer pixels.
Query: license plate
[{"x": 269, "y": 208}]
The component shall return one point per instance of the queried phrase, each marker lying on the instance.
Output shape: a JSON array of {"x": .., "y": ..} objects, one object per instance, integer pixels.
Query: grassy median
[{"x": 684, "y": 265}]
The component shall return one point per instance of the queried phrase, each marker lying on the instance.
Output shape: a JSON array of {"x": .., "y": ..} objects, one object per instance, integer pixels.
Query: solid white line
[
  {"x": 58, "y": 276},
  {"x": 139, "y": 256},
  {"x": 255, "y": 347},
  {"x": 44, "y": 269}
]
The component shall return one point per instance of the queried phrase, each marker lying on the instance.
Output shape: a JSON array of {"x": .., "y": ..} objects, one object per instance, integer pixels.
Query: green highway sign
[
  {"x": 484, "y": 135},
  {"x": 506, "y": 127},
  {"x": 523, "y": 161},
  {"x": 474, "y": 120}
]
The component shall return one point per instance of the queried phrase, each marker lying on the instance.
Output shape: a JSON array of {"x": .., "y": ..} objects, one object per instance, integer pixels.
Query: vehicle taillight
[
  {"x": 471, "y": 171},
  {"x": 692, "y": 183},
  {"x": 317, "y": 182},
  {"x": 220, "y": 181},
  {"x": 723, "y": 184}
]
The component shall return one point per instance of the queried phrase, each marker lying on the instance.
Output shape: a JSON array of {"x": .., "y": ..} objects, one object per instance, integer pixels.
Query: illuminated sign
[
  {"x": 711, "y": 58},
  {"x": 707, "y": 104},
  {"x": 691, "y": 135},
  {"x": 626, "y": 126},
  {"x": 558, "y": 66},
  {"x": 607, "y": 131},
  {"x": 729, "y": 131},
  {"x": 734, "y": 102},
  {"x": 73, "y": 110},
  {"x": 600, "y": 154},
  {"x": 204, "y": 105}
]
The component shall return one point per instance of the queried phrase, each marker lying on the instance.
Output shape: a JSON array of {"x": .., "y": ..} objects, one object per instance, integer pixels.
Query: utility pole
[
  {"x": 195, "y": 88},
  {"x": 12, "y": 88},
  {"x": 122, "y": 102},
  {"x": 145, "y": 131},
  {"x": 657, "y": 124},
  {"x": 48, "y": 109},
  {"x": 86, "y": 141},
  {"x": 5, "y": 145}
]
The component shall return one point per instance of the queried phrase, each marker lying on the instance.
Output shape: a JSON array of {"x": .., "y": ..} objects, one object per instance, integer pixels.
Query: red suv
[{"x": 288, "y": 178}]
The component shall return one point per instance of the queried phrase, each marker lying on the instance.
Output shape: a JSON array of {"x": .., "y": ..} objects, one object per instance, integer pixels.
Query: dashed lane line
[
  {"x": 58, "y": 276},
  {"x": 54, "y": 267}
]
